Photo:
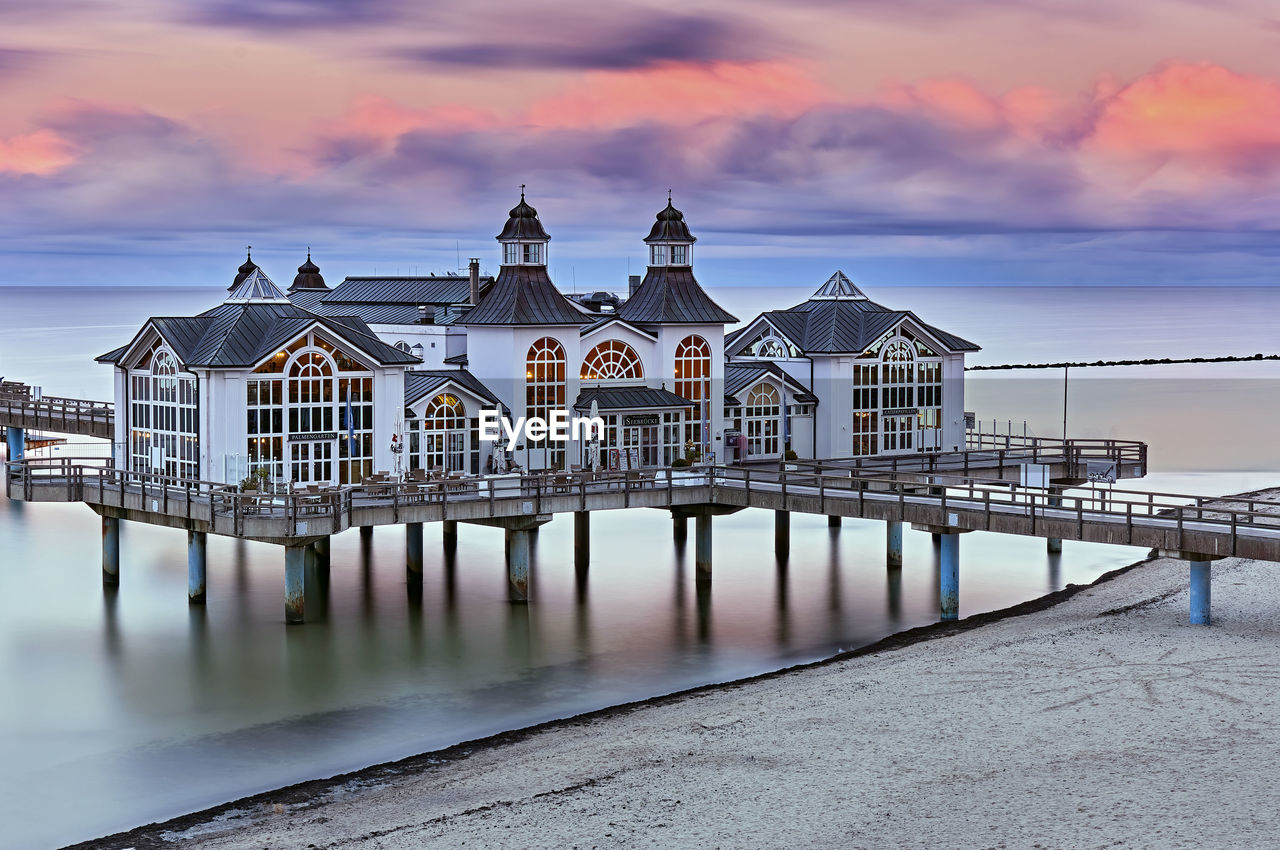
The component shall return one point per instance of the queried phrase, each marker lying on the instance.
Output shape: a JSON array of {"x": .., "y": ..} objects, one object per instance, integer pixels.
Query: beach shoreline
[{"x": 221, "y": 819}]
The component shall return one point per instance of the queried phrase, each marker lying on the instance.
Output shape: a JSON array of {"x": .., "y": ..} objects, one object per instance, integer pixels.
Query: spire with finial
[
  {"x": 669, "y": 241},
  {"x": 524, "y": 240},
  {"x": 246, "y": 268},
  {"x": 309, "y": 276}
]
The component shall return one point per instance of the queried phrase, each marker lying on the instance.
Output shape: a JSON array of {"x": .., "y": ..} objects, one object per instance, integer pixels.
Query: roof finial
[
  {"x": 308, "y": 253},
  {"x": 522, "y": 191},
  {"x": 668, "y": 196},
  {"x": 248, "y": 250}
]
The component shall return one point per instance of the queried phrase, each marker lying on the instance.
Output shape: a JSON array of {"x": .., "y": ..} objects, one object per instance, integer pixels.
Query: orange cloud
[
  {"x": 41, "y": 153},
  {"x": 1199, "y": 111},
  {"x": 679, "y": 94}
]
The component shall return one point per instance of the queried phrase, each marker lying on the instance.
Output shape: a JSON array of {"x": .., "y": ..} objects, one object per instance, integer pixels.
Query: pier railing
[
  {"x": 998, "y": 455},
  {"x": 54, "y": 413},
  {"x": 1212, "y": 525}
]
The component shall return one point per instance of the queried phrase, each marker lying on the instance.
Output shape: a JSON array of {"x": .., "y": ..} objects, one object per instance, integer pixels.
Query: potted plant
[{"x": 255, "y": 481}]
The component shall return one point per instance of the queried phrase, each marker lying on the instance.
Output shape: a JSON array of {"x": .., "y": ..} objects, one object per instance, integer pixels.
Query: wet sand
[{"x": 1096, "y": 717}]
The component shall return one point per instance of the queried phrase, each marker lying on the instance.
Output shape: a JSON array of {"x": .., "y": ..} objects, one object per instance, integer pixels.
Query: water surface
[{"x": 125, "y": 707}]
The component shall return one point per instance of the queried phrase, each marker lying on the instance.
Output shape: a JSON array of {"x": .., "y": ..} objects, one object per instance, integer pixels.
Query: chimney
[
  {"x": 633, "y": 284},
  {"x": 475, "y": 280}
]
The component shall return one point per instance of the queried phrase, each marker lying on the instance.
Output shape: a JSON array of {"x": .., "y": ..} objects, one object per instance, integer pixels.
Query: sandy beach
[{"x": 1102, "y": 720}]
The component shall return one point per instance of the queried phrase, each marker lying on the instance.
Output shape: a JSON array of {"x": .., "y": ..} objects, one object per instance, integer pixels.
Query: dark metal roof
[
  {"x": 822, "y": 326},
  {"x": 524, "y": 295},
  {"x": 428, "y": 289},
  {"x": 670, "y": 227},
  {"x": 741, "y": 376},
  {"x": 523, "y": 223},
  {"x": 459, "y": 359},
  {"x": 242, "y": 334},
  {"x": 627, "y": 398},
  {"x": 307, "y": 299},
  {"x": 419, "y": 383},
  {"x": 671, "y": 294},
  {"x": 309, "y": 276}
]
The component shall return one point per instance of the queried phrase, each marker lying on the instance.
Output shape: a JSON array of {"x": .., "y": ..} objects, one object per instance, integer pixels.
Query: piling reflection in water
[{"x": 383, "y": 669}]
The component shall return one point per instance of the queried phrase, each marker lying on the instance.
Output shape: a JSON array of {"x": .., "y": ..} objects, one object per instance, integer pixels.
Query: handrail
[{"x": 1234, "y": 514}]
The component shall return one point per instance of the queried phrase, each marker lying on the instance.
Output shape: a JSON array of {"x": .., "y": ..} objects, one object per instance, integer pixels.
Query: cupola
[
  {"x": 246, "y": 268},
  {"x": 524, "y": 240},
  {"x": 309, "y": 276},
  {"x": 670, "y": 242}
]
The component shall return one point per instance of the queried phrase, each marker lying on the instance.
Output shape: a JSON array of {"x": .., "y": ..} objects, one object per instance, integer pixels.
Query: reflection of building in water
[{"x": 330, "y": 385}]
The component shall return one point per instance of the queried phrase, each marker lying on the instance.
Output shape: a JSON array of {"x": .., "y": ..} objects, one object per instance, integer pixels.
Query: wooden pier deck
[{"x": 1211, "y": 526}]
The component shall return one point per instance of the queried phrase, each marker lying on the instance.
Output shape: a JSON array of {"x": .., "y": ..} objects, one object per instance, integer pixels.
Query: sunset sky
[{"x": 905, "y": 141}]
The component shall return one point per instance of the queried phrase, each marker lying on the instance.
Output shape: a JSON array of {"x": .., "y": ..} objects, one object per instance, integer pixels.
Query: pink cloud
[
  {"x": 1198, "y": 112},
  {"x": 41, "y": 153},
  {"x": 680, "y": 93}
]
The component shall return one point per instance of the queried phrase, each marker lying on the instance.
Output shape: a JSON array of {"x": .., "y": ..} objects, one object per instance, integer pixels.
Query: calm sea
[{"x": 123, "y": 708}]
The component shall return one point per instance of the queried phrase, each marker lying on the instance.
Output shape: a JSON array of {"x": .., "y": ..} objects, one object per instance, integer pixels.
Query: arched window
[
  {"x": 162, "y": 407},
  {"x": 612, "y": 360},
  {"x": 404, "y": 346},
  {"x": 444, "y": 434},
  {"x": 693, "y": 381},
  {"x": 898, "y": 378},
  {"x": 546, "y": 367},
  {"x": 898, "y": 392},
  {"x": 762, "y": 416}
]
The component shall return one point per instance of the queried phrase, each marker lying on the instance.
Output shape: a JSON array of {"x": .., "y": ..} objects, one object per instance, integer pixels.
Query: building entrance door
[
  {"x": 643, "y": 438},
  {"x": 899, "y": 434},
  {"x": 311, "y": 462}
]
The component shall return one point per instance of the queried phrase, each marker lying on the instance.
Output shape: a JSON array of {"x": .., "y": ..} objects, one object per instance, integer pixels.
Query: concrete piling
[
  {"x": 449, "y": 534},
  {"x": 833, "y": 522},
  {"x": 110, "y": 551},
  {"x": 366, "y": 532},
  {"x": 679, "y": 527},
  {"x": 781, "y": 534},
  {"x": 949, "y": 576},
  {"x": 16, "y": 440},
  {"x": 518, "y": 564},
  {"x": 1053, "y": 545},
  {"x": 196, "y": 542},
  {"x": 413, "y": 552},
  {"x": 893, "y": 543},
  {"x": 581, "y": 539},
  {"x": 702, "y": 547},
  {"x": 322, "y": 550},
  {"x": 295, "y": 570},
  {"x": 1201, "y": 572}
]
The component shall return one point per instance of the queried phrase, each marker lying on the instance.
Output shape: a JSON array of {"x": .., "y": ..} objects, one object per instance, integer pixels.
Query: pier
[{"x": 943, "y": 501}]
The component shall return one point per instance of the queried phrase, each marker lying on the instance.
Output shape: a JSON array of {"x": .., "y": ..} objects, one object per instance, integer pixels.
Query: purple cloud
[
  {"x": 638, "y": 39},
  {"x": 274, "y": 16}
]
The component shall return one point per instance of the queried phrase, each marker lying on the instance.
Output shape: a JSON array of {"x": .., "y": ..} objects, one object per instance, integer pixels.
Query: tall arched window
[
  {"x": 898, "y": 391},
  {"x": 299, "y": 402},
  {"x": 162, "y": 409},
  {"x": 762, "y": 417},
  {"x": 612, "y": 360},
  {"x": 545, "y": 375},
  {"x": 444, "y": 434},
  {"x": 693, "y": 381}
]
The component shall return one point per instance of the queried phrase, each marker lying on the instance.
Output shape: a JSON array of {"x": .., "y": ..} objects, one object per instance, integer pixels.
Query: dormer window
[
  {"x": 679, "y": 255},
  {"x": 657, "y": 255},
  {"x": 510, "y": 254},
  {"x": 533, "y": 253}
]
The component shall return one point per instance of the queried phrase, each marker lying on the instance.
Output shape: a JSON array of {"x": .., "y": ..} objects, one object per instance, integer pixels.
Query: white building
[
  {"x": 317, "y": 385},
  {"x": 857, "y": 379},
  {"x": 257, "y": 383}
]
